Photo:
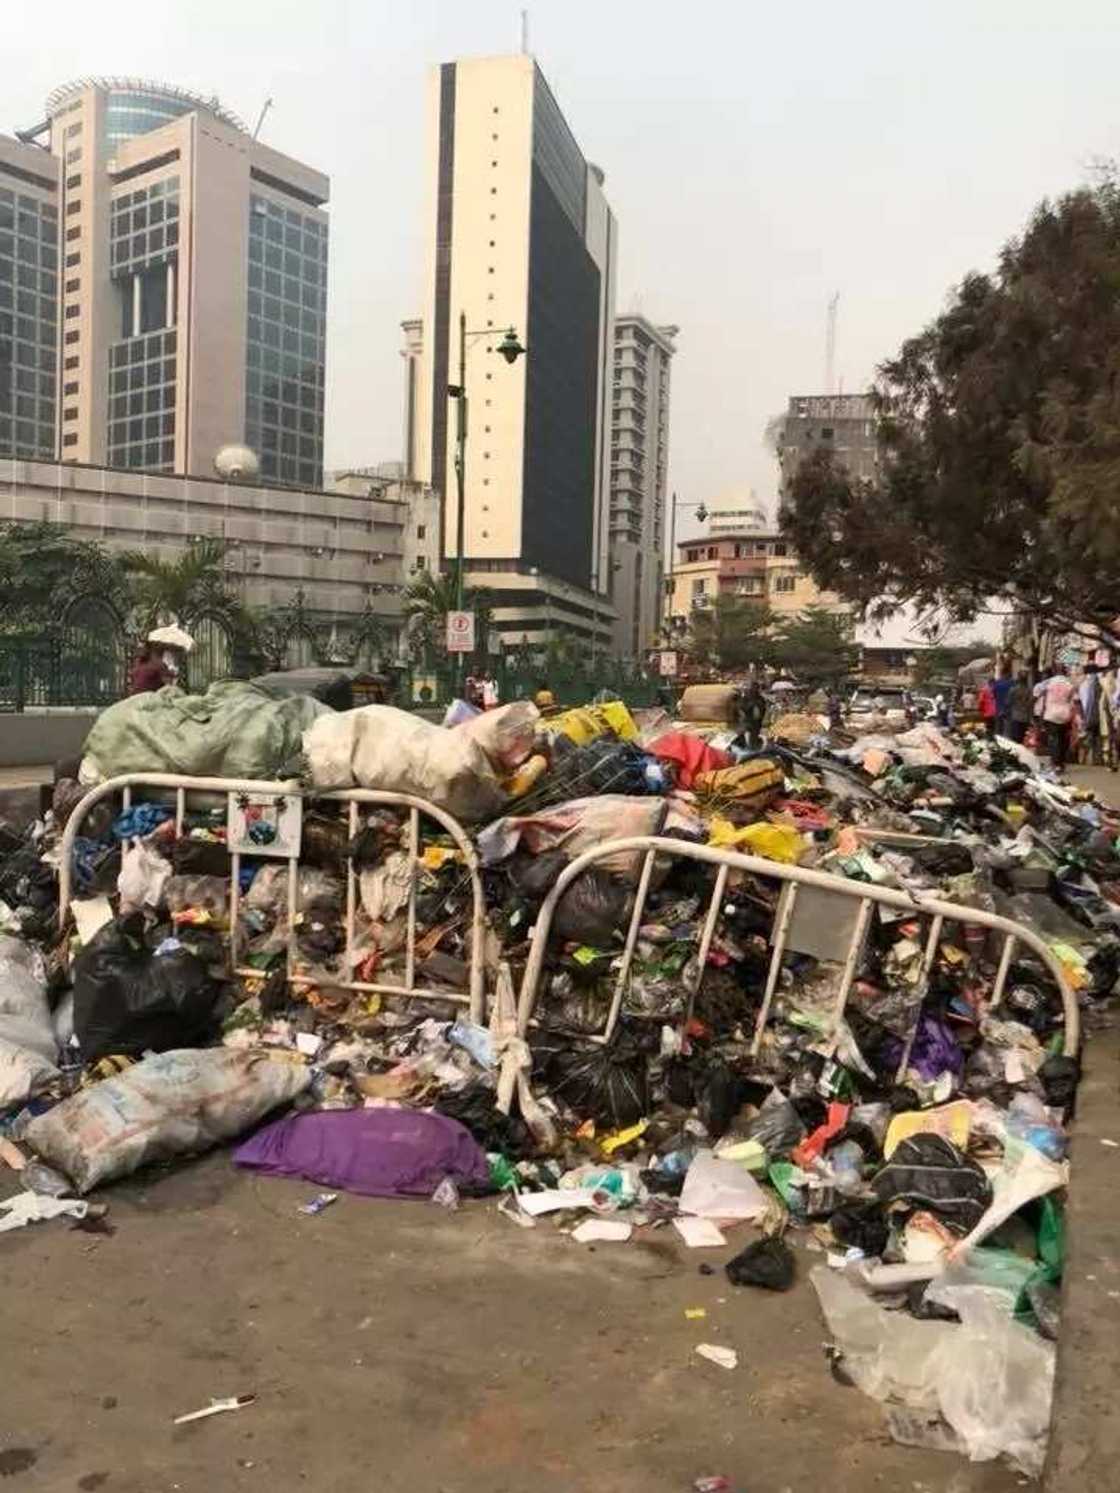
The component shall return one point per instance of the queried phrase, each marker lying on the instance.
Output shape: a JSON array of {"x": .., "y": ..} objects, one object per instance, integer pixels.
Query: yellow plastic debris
[
  {"x": 586, "y": 722},
  {"x": 612, "y": 1143},
  {"x": 435, "y": 857},
  {"x": 776, "y": 842},
  {"x": 951, "y": 1121}
]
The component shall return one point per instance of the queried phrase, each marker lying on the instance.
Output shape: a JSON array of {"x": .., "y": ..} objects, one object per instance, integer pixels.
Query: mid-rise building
[
  {"x": 843, "y": 424},
  {"x": 757, "y": 563},
  {"x": 639, "y": 463},
  {"x": 29, "y": 197},
  {"x": 193, "y": 285},
  {"x": 520, "y": 235}
]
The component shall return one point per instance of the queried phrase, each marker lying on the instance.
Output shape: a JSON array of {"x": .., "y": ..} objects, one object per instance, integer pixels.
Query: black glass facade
[
  {"x": 561, "y": 391},
  {"x": 286, "y": 342},
  {"x": 28, "y": 323}
]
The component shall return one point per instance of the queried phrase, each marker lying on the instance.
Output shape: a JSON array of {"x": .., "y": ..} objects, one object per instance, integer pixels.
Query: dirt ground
[{"x": 396, "y": 1347}]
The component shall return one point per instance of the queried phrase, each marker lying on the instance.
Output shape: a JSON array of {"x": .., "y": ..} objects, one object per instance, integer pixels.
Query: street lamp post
[
  {"x": 701, "y": 514},
  {"x": 510, "y": 349}
]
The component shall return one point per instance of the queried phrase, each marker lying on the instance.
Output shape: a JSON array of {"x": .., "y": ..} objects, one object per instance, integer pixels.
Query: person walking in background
[
  {"x": 987, "y": 704},
  {"x": 1057, "y": 697},
  {"x": 1001, "y": 688},
  {"x": 148, "y": 672},
  {"x": 1089, "y": 702},
  {"x": 753, "y": 713},
  {"x": 1020, "y": 707}
]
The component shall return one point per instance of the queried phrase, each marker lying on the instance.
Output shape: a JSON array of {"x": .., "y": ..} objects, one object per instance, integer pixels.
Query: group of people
[{"x": 1079, "y": 719}]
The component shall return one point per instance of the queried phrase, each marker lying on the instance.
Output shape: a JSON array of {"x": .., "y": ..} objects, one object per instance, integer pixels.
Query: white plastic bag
[
  {"x": 506, "y": 735},
  {"x": 169, "y": 1104},
  {"x": 143, "y": 875},
  {"x": 27, "y": 1042},
  {"x": 720, "y": 1189},
  {"x": 380, "y": 747}
]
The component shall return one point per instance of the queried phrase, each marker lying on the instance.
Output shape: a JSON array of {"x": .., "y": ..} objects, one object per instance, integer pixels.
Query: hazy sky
[{"x": 758, "y": 157}]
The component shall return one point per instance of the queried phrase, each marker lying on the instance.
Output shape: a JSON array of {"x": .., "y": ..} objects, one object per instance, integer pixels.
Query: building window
[
  {"x": 73, "y": 259},
  {"x": 72, "y": 311},
  {"x": 73, "y": 207},
  {"x": 699, "y": 586},
  {"x": 73, "y": 233},
  {"x": 711, "y": 552},
  {"x": 72, "y": 337},
  {"x": 420, "y": 531},
  {"x": 785, "y": 583},
  {"x": 71, "y": 285},
  {"x": 781, "y": 548},
  {"x": 70, "y": 388},
  {"x": 70, "y": 414},
  {"x": 73, "y": 181},
  {"x": 71, "y": 362},
  {"x": 73, "y": 129},
  {"x": 71, "y": 439}
]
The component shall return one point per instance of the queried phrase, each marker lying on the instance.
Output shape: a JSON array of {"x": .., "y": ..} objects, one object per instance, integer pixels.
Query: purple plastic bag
[
  {"x": 376, "y": 1152},
  {"x": 934, "y": 1052}
]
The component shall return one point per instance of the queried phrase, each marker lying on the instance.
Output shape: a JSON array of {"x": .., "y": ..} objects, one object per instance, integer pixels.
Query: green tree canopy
[
  {"x": 816, "y": 646},
  {"x": 999, "y": 442},
  {"x": 428, "y": 599},
  {"x": 43, "y": 568},
  {"x": 733, "y": 633}
]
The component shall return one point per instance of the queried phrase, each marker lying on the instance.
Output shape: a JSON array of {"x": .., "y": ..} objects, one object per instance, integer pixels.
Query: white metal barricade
[
  {"x": 650, "y": 847},
  {"x": 474, "y": 996}
]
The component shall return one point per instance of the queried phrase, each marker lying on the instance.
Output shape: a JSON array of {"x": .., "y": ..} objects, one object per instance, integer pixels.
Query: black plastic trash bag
[
  {"x": 594, "y": 910},
  {"x": 129, "y": 999},
  {"x": 928, "y": 1171},
  {"x": 1059, "y": 1076},
  {"x": 473, "y": 1106},
  {"x": 607, "y": 1084},
  {"x": 860, "y": 1227},
  {"x": 767, "y": 1263}
]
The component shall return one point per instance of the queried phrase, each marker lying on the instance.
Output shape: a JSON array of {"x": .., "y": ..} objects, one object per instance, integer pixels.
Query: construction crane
[
  {"x": 830, "y": 344},
  {"x": 260, "y": 117}
]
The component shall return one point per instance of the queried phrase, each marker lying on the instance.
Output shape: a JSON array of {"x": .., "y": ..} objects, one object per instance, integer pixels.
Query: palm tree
[
  {"x": 430, "y": 597},
  {"x": 194, "y": 582}
]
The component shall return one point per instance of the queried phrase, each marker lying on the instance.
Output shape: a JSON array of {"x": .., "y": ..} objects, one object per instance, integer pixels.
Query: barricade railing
[
  {"x": 474, "y": 996},
  {"x": 939, "y": 912}
]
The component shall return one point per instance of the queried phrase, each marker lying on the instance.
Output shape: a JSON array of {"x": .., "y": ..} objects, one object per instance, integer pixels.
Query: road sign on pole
[
  {"x": 667, "y": 664},
  {"x": 460, "y": 632}
]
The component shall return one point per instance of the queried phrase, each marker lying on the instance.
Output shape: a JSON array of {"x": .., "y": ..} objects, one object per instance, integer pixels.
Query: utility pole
[{"x": 830, "y": 344}]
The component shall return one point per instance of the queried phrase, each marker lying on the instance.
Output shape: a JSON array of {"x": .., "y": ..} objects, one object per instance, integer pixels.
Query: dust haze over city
[{"x": 758, "y": 159}]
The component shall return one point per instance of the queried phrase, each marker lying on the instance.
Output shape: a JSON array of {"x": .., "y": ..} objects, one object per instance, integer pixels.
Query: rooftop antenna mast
[
  {"x": 830, "y": 344},
  {"x": 525, "y": 33},
  {"x": 260, "y": 117}
]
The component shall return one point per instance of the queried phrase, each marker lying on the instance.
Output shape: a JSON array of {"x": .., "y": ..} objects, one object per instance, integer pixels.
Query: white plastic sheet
[{"x": 720, "y": 1189}]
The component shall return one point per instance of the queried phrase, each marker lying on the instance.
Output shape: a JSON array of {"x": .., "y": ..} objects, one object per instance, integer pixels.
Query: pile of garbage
[{"x": 890, "y": 1093}]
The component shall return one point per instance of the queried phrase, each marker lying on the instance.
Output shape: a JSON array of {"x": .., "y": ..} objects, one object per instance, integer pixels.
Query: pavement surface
[{"x": 397, "y": 1347}]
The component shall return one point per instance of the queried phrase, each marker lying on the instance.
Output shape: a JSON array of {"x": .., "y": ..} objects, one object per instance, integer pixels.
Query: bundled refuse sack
[
  {"x": 27, "y": 1040},
  {"x": 129, "y": 998},
  {"x": 170, "y": 1104},
  {"x": 374, "y": 1152},
  {"x": 381, "y": 747},
  {"x": 234, "y": 730}
]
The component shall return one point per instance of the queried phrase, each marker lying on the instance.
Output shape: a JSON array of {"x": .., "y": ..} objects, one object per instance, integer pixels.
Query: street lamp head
[
  {"x": 509, "y": 347},
  {"x": 702, "y": 513}
]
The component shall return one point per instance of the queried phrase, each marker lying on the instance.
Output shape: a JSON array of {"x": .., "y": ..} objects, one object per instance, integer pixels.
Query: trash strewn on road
[{"x": 794, "y": 1026}]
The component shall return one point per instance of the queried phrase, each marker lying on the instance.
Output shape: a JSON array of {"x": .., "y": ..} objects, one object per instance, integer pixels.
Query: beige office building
[
  {"x": 842, "y": 424},
  {"x": 193, "y": 282},
  {"x": 29, "y": 195},
  {"x": 639, "y": 462},
  {"x": 521, "y": 236}
]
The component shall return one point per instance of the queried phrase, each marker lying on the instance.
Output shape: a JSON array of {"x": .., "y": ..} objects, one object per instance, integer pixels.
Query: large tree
[
  {"x": 43, "y": 569},
  {"x": 999, "y": 437},
  {"x": 816, "y": 645},
  {"x": 733, "y": 633}
]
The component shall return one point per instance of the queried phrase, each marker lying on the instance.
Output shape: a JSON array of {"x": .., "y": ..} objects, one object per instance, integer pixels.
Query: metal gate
[
  {"x": 939, "y": 912},
  {"x": 473, "y": 996},
  {"x": 212, "y": 655}
]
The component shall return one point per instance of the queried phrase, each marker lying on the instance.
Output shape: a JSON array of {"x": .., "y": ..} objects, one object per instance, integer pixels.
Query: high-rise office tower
[
  {"x": 29, "y": 191},
  {"x": 193, "y": 285},
  {"x": 639, "y": 461},
  {"x": 520, "y": 235}
]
